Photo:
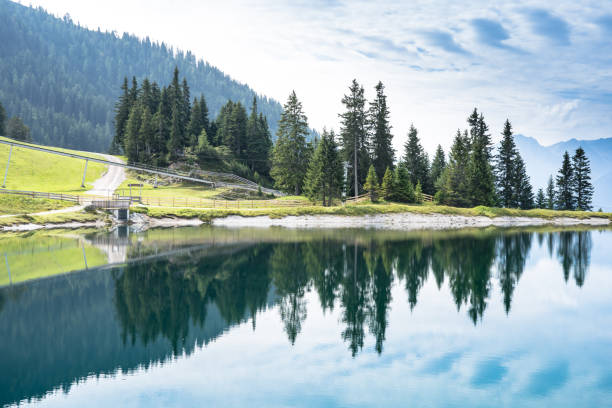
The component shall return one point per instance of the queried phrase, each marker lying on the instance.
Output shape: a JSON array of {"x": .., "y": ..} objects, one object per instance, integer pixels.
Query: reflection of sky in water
[{"x": 554, "y": 348}]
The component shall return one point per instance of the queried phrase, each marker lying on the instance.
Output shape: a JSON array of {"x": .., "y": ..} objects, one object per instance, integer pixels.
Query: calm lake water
[{"x": 283, "y": 318}]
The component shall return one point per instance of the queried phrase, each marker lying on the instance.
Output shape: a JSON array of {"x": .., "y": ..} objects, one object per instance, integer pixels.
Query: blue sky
[{"x": 544, "y": 65}]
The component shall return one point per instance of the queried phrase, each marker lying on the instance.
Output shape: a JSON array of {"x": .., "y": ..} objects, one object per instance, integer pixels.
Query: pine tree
[
  {"x": 258, "y": 142},
  {"x": 540, "y": 199},
  {"x": 402, "y": 186},
  {"x": 454, "y": 187},
  {"x": 175, "y": 144},
  {"x": 204, "y": 117},
  {"x": 354, "y": 138},
  {"x": 505, "y": 168},
  {"x": 291, "y": 153},
  {"x": 383, "y": 154},
  {"x": 132, "y": 130},
  {"x": 550, "y": 194},
  {"x": 386, "y": 187},
  {"x": 194, "y": 127},
  {"x": 437, "y": 165},
  {"x": 146, "y": 136},
  {"x": 122, "y": 113},
  {"x": 565, "y": 178},
  {"x": 416, "y": 161},
  {"x": 324, "y": 178},
  {"x": 582, "y": 187},
  {"x": 418, "y": 193},
  {"x": 480, "y": 173},
  {"x": 371, "y": 184},
  {"x": 523, "y": 189},
  {"x": 17, "y": 130},
  {"x": 2, "y": 121}
]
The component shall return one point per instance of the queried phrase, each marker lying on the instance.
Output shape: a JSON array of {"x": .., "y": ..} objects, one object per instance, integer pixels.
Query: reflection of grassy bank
[
  {"x": 32, "y": 256},
  {"x": 364, "y": 209}
]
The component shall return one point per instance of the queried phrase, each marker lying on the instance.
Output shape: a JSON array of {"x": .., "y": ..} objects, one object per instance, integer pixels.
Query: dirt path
[{"x": 111, "y": 180}]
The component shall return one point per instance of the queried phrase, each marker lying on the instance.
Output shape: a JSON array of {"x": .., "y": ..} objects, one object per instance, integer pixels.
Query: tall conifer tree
[
  {"x": 354, "y": 138},
  {"x": 565, "y": 179},
  {"x": 383, "y": 154},
  {"x": 505, "y": 168},
  {"x": 291, "y": 153},
  {"x": 582, "y": 187},
  {"x": 438, "y": 165},
  {"x": 324, "y": 179},
  {"x": 416, "y": 161},
  {"x": 550, "y": 194}
]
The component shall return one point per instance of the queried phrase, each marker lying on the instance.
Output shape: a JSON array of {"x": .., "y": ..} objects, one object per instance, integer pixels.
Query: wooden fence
[
  {"x": 194, "y": 202},
  {"x": 39, "y": 194}
]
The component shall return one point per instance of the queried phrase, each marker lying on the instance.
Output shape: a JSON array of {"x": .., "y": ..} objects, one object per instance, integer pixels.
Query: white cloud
[{"x": 547, "y": 70}]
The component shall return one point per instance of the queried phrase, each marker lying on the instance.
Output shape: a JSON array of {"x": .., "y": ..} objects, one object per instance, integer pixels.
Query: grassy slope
[
  {"x": 365, "y": 209},
  {"x": 38, "y": 171},
  {"x": 173, "y": 190},
  {"x": 28, "y": 261}
]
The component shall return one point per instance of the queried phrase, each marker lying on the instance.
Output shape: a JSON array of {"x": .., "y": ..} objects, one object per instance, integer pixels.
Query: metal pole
[
  {"x": 7, "y": 167},
  {"x": 84, "y": 257},
  {"x": 84, "y": 174},
  {"x": 8, "y": 269}
]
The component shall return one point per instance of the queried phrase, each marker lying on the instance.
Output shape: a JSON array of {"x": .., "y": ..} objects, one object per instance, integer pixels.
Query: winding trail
[{"x": 104, "y": 186}]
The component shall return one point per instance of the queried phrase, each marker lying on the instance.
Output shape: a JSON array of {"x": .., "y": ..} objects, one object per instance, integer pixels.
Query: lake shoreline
[{"x": 406, "y": 221}]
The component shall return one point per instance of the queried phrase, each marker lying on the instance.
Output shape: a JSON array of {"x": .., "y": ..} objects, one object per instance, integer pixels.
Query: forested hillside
[{"x": 63, "y": 80}]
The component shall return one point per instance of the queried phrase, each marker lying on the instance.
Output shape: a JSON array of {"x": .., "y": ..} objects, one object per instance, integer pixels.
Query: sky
[{"x": 546, "y": 66}]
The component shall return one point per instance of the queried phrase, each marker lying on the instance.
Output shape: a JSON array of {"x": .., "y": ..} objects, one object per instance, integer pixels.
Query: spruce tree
[
  {"x": 455, "y": 187},
  {"x": 437, "y": 165},
  {"x": 418, "y": 193},
  {"x": 371, "y": 184},
  {"x": 565, "y": 183},
  {"x": 204, "y": 116},
  {"x": 550, "y": 194},
  {"x": 324, "y": 178},
  {"x": 523, "y": 189},
  {"x": 416, "y": 161},
  {"x": 505, "y": 169},
  {"x": 480, "y": 172},
  {"x": 258, "y": 142},
  {"x": 122, "y": 113},
  {"x": 146, "y": 136},
  {"x": 132, "y": 130},
  {"x": 354, "y": 138},
  {"x": 383, "y": 154},
  {"x": 17, "y": 130},
  {"x": 386, "y": 187},
  {"x": 402, "y": 186},
  {"x": 582, "y": 187},
  {"x": 291, "y": 153},
  {"x": 195, "y": 126},
  {"x": 540, "y": 199}
]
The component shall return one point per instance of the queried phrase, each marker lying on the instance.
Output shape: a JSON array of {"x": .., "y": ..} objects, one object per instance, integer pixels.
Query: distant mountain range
[
  {"x": 63, "y": 80},
  {"x": 544, "y": 161}
]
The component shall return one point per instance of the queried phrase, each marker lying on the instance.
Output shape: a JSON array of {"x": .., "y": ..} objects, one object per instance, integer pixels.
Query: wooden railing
[{"x": 39, "y": 194}]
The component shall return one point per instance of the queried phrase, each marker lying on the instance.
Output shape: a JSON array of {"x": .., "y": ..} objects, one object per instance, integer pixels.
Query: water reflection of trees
[{"x": 354, "y": 276}]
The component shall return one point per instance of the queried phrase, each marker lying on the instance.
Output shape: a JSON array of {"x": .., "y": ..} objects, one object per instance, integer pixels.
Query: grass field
[
  {"x": 39, "y": 171},
  {"x": 10, "y": 204}
]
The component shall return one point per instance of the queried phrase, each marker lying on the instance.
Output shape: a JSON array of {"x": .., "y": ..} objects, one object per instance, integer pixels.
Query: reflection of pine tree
[
  {"x": 291, "y": 280},
  {"x": 323, "y": 261},
  {"x": 382, "y": 280},
  {"x": 413, "y": 267},
  {"x": 512, "y": 253},
  {"x": 354, "y": 298}
]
